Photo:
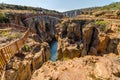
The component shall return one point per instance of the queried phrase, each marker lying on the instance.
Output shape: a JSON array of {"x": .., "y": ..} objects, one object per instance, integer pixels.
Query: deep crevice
[{"x": 91, "y": 40}]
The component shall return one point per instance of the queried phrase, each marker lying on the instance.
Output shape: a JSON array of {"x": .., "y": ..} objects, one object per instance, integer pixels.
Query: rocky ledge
[
  {"x": 84, "y": 68},
  {"x": 78, "y": 38}
]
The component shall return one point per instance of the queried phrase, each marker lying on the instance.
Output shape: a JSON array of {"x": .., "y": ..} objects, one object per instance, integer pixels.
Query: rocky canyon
[{"x": 48, "y": 45}]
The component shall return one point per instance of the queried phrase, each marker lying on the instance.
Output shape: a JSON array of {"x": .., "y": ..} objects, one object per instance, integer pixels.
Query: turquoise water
[{"x": 53, "y": 50}]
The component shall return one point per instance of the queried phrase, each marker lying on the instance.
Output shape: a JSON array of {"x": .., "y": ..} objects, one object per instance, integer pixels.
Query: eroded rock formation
[
  {"x": 84, "y": 68},
  {"x": 82, "y": 37},
  {"x": 27, "y": 60},
  {"x": 36, "y": 50},
  {"x": 76, "y": 38}
]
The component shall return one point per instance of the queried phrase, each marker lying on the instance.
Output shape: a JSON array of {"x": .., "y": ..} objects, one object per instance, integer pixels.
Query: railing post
[
  {"x": 17, "y": 46},
  {"x": 3, "y": 56},
  {"x": 5, "y": 53}
]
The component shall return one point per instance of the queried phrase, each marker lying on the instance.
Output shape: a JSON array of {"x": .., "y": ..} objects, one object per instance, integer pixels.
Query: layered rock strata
[{"x": 82, "y": 37}]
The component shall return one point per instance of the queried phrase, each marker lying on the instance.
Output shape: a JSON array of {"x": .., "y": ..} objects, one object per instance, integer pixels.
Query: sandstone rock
[
  {"x": 23, "y": 64},
  {"x": 85, "y": 68},
  {"x": 108, "y": 44},
  {"x": 91, "y": 40},
  {"x": 118, "y": 48},
  {"x": 69, "y": 34},
  {"x": 72, "y": 33},
  {"x": 103, "y": 44}
]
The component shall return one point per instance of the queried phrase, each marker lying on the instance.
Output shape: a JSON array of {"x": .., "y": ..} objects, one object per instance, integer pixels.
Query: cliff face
[
  {"x": 36, "y": 50},
  {"x": 81, "y": 37},
  {"x": 43, "y": 25},
  {"x": 98, "y": 51},
  {"x": 72, "y": 13},
  {"x": 76, "y": 38},
  {"x": 27, "y": 60}
]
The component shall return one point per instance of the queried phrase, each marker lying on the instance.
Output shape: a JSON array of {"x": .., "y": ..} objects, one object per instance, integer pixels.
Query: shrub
[
  {"x": 101, "y": 24},
  {"x": 26, "y": 48},
  {"x": 3, "y": 18}
]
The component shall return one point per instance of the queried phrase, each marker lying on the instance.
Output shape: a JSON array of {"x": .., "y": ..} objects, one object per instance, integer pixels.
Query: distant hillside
[
  {"x": 113, "y": 6},
  {"x": 10, "y": 7}
]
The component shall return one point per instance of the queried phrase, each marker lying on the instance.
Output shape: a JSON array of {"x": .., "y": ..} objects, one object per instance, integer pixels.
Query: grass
[
  {"x": 4, "y": 33},
  {"x": 9, "y": 36},
  {"x": 13, "y": 36},
  {"x": 3, "y": 18},
  {"x": 26, "y": 48},
  {"x": 101, "y": 24}
]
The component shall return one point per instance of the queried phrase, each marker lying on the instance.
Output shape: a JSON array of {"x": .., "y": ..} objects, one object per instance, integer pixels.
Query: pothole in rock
[{"x": 53, "y": 50}]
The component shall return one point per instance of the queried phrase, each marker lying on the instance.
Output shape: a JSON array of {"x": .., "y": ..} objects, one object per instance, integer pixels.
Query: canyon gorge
[{"x": 60, "y": 46}]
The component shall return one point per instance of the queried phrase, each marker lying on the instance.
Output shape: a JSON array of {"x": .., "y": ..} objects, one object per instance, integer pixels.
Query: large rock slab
[{"x": 84, "y": 68}]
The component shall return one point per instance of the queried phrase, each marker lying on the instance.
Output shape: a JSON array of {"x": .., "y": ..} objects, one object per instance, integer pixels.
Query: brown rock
[{"x": 86, "y": 68}]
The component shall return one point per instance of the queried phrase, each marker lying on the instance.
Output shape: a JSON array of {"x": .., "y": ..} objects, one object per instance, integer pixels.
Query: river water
[{"x": 53, "y": 51}]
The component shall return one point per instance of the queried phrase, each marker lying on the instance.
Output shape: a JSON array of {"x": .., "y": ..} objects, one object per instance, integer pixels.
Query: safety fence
[{"x": 9, "y": 50}]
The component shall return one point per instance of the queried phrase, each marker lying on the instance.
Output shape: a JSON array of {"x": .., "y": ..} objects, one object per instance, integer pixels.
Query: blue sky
[{"x": 60, "y": 5}]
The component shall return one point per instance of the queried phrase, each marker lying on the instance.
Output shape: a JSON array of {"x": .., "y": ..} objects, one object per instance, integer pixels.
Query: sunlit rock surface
[
  {"x": 27, "y": 60},
  {"x": 78, "y": 38},
  {"x": 84, "y": 68}
]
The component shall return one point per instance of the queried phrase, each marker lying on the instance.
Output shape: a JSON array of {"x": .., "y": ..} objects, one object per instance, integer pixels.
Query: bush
[
  {"x": 26, "y": 48},
  {"x": 3, "y": 18},
  {"x": 101, "y": 24}
]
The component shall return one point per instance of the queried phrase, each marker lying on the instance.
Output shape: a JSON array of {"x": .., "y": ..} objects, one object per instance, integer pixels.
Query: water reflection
[{"x": 53, "y": 50}]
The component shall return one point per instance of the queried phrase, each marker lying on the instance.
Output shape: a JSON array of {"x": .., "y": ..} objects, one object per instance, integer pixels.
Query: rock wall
[
  {"x": 44, "y": 27},
  {"x": 36, "y": 50},
  {"x": 27, "y": 60},
  {"x": 82, "y": 37}
]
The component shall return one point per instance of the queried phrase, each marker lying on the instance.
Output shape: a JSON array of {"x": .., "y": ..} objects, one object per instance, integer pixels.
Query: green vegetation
[
  {"x": 3, "y": 18},
  {"x": 4, "y": 33},
  {"x": 26, "y": 48},
  {"x": 28, "y": 8},
  {"x": 92, "y": 10},
  {"x": 101, "y": 24},
  {"x": 9, "y": 35},
  {"x": 113, "y": 6},
  {"x": 13, "y": 35}
]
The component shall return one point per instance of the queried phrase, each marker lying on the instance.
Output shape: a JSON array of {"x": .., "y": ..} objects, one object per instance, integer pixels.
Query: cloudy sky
[{"x": 60, "y": 5}]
